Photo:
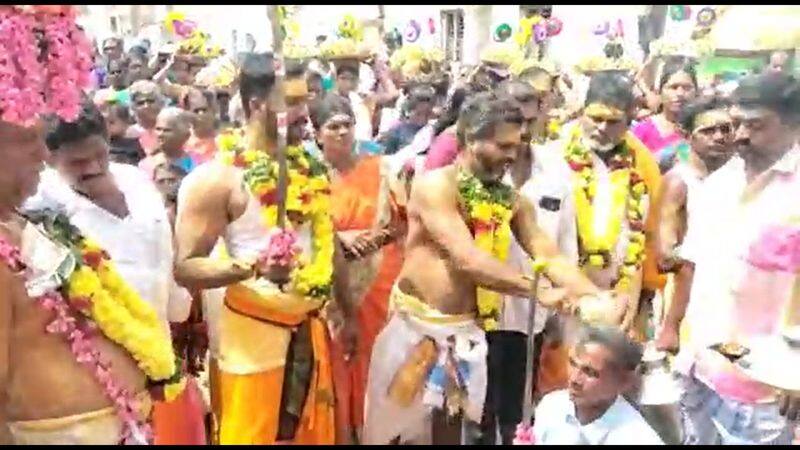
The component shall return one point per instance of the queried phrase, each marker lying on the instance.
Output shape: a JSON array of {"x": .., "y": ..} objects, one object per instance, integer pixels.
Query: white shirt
[
  {"x": 140, "y": 245},
  {"x": 551, "y": 196},
  {"x": 557, "y": 424},
  {"x": 550, "y": 160},
  {"x": 727, "y": 217},
  {"x": 363, "y": 128}
]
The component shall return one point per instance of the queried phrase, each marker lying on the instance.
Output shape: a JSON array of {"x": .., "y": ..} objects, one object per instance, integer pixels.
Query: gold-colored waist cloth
[
  {"x": 400, "y": 301},
  {"x": 100, "y": 427}
]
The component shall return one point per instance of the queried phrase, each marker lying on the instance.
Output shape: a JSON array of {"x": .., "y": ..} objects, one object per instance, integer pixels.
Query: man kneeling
[{"x": 602, "y": 365}]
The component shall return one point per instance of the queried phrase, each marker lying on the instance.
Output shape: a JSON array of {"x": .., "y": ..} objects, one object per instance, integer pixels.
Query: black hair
[
  {"x": 90, "y": 122},
  {"x": 256, "y": 78},
  {"x": 295, "y": 68},
  {"x": 346, "y": 66},
  {"x": 210, "y": 97},
  {"x": 698, "y": 106},
  {"x": 779, "y": 92},
  {"x": 508, "y": 88},
  {"x": 673, "y": 66},
  {"x": 481, "y": 114},
  {"x": 120, "y": 111},
  {"x": 612, "y": 89},
  {"x": 137, "y": 51},
  {"x": 419, "y": 93},
  {"x": 331, "y": 104},
  {"x": 626, "y": 354},
  {"x": 450, "y": 114}
]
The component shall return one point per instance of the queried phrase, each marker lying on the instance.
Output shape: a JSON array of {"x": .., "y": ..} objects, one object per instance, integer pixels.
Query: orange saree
[{"x": 362, "y": 201}]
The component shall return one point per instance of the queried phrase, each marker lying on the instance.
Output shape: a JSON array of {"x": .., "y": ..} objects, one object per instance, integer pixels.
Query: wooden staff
[
  {"x": 527, "y": 405},
  {"x": 280, "y": 70}
]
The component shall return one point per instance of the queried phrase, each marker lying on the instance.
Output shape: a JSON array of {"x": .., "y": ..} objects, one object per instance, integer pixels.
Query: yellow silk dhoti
[{"x": 248, "y": 401}]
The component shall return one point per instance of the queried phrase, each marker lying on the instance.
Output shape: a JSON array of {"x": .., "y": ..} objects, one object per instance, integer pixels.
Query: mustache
[{"x": 90, "y": 177}]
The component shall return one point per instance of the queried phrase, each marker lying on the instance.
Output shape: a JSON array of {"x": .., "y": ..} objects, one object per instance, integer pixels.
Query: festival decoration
[
  {"x": 524, "y": 435},
  {"x": 45, "y": 63},
  {"x": 539, "y": 33},
  {"x": 601, "y": 29},
  {"x": 191, "y": 40},
  {"x": 554, "y": 26},
  {"x": 431, "y": 26},
  {"x": 307, "y": 200},
  {"x": 706, "y": 17},
  {"x": 219, "y": 73},
  {"x": 502, "y": 32},
  {"x": 627, "y": 200},
  {"x": 489, "y": 211},
  {"x": 680, "y": 13},
  {"x": 412, "y": 31},
  {"x": 503, "y": 54}
]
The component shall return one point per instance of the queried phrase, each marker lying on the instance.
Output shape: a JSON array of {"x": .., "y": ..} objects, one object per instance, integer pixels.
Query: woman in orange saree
[{"x": 368, "y": 222}]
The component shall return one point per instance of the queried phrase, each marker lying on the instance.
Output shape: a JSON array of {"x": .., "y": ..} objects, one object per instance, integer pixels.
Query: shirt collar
[{"x": 597, "y": 431}]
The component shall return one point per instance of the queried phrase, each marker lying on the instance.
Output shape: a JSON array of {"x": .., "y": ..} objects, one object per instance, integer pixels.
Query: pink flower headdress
[{"x": 45, "y": 62}]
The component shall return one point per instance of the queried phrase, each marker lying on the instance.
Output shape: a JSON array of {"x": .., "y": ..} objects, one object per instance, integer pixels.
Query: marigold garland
[
  {"x": 489, "y": 211},
  {"x": 307, "y": 198},
  {"x": 598, "y": 238},
  {"x": 93, "y": 296}
]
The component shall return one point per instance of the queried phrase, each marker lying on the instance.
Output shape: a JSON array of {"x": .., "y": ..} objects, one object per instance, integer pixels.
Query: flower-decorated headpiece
[
  {"x": 416, "y": 62},
  {"x": 219, "y": 73},
  {"x": 191, "y": 40},
  {"x": 505, "y": 55},
  {"x": 349, "y": 45},
  {"x": 45, "y": 62}
]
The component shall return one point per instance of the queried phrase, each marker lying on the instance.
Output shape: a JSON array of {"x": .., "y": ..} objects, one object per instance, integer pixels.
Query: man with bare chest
[
  {"x": 432, "y": 353},
  {"x": 710, "y": 129},
  {"x": 46, "y": 396}
]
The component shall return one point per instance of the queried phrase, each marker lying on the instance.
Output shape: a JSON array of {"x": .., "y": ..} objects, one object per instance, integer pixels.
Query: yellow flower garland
[
  {"x": 307, "y": 196},
  {"x": 489, "y": 211},
  {"x": 598, "y": 240},
  {"x": 120, "y": 312}
]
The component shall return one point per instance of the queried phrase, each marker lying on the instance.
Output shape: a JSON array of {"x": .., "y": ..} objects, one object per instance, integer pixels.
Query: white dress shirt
[
  {"x": 140, "y": 245},
  {"x": 557, "y": 424},
  {"x": 551, "y": 196}
]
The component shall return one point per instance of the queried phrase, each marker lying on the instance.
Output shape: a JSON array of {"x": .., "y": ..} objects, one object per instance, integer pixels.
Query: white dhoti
[{"x": 411, "y": 321}]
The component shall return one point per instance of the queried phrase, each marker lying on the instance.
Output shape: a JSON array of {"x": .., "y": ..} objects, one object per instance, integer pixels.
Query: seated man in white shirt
[{"x": 592, "y": 411}]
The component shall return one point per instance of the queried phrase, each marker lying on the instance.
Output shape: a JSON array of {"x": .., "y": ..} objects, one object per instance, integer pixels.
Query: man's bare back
[{"x": 43, "y": 380}]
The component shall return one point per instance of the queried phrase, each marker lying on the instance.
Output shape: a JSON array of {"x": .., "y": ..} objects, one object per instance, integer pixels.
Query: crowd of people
[{"x": 448, "y": 257}]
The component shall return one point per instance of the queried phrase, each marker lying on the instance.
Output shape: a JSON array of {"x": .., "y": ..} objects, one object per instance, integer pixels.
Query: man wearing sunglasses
[{"x": 708, "y": 124}]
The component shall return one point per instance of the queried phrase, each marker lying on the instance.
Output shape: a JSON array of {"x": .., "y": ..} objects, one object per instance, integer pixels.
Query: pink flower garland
[
  {"x": 778, "y": 249},
  {"x": 524, "y": 435},
  {"x": 78, "y": 335},
  {"x": 281, "y": 249},
  {"x": 27, "y": 88}
]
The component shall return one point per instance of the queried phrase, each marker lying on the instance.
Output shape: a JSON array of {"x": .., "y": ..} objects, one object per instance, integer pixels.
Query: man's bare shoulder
[
  {"x": 213, "y": 177},
  {"x": 434, "y": 186}
]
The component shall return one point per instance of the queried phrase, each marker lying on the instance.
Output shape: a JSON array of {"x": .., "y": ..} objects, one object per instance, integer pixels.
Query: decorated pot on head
[
  {"x": 496, "y": 60},
  {"x": 593, "y": 64},
  {"x": 541, "y": 75}
]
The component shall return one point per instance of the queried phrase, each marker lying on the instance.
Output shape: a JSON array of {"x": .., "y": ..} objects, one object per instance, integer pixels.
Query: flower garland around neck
[
  {"x": 93, "y": 296},
  {"x": 489, "y": 209},
  {"x": 307, "y": 200},
  {"x": 600, "y": 222}
]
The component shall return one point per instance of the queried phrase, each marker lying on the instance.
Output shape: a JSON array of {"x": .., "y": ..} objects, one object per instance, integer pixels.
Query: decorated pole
[{"x": 275, "y": 13}]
